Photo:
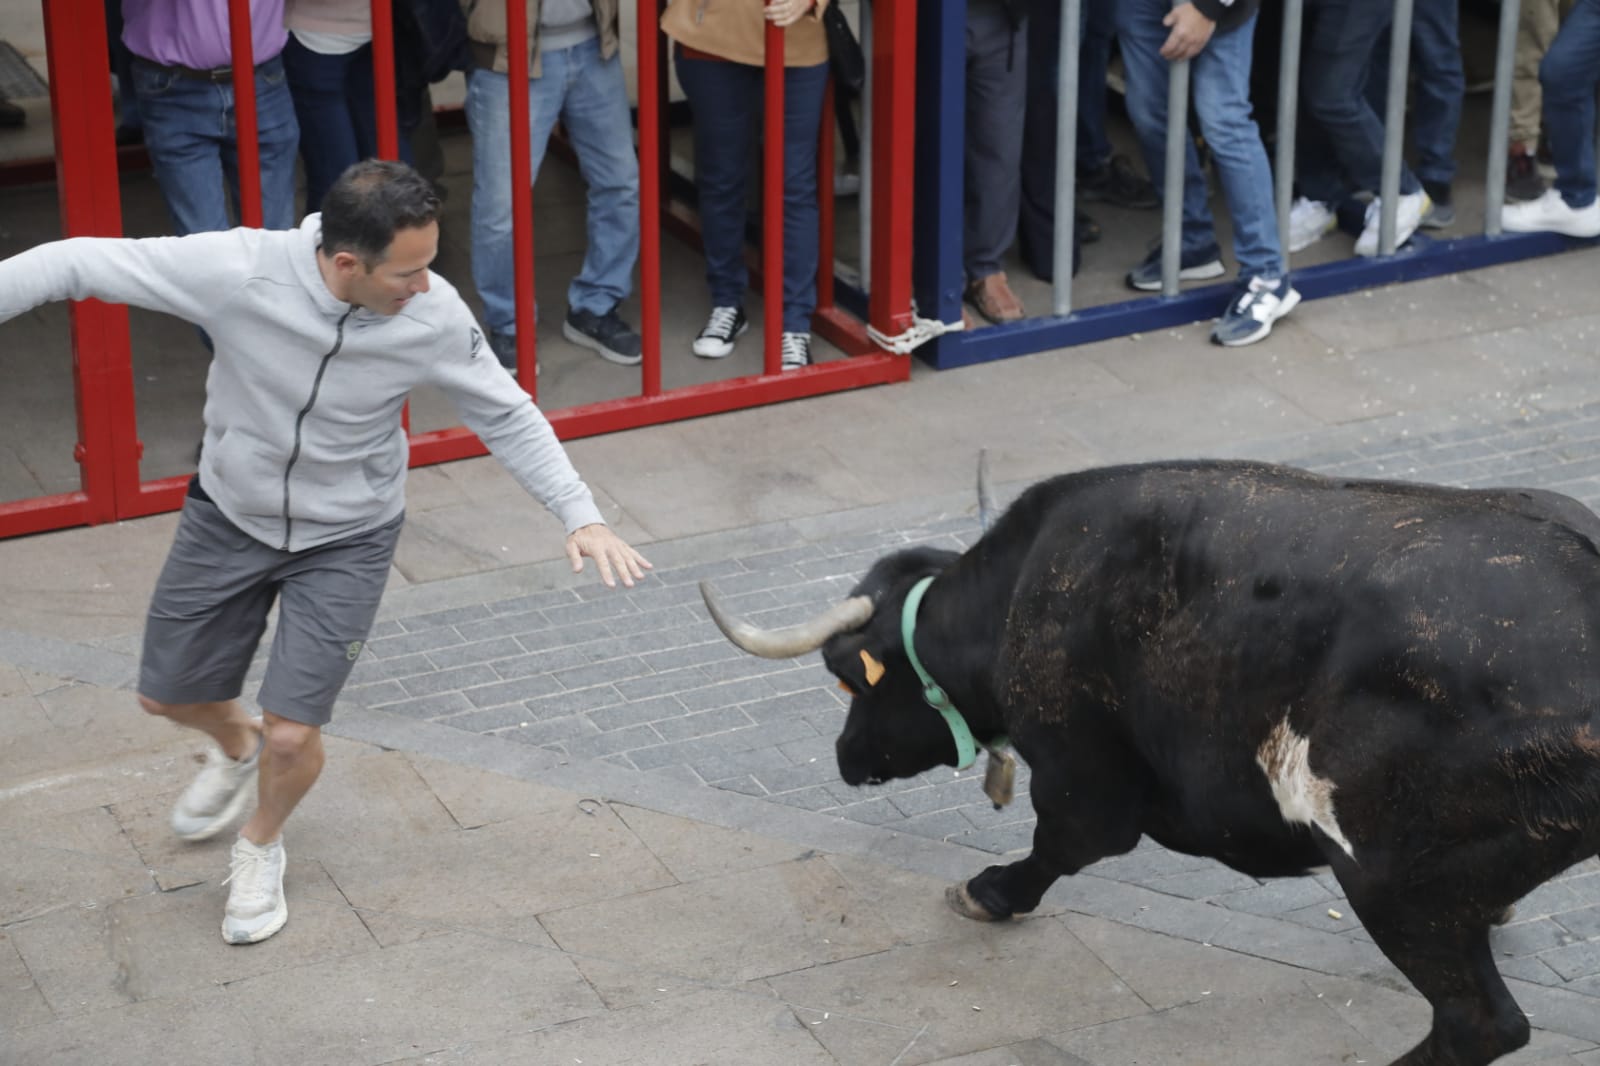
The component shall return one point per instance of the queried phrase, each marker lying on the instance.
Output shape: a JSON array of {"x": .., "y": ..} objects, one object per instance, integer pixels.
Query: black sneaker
[
  {"x": 1192, "y": 266},
  {"x": 11, "y": 116},
  {"x": 796, "y": 348},
  {"x": 1117, "y": 183},
  {"x": 607, "y": 334},
  {"x": 722, "y": 328},
  {"x": 504, "y": 347},
  {"x": 1524, "y": 183}
]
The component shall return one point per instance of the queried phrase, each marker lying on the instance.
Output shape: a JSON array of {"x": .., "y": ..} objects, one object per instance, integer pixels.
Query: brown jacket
[
  {"x": 734, "y": 29},
  {"x": 486, "y": 26}
]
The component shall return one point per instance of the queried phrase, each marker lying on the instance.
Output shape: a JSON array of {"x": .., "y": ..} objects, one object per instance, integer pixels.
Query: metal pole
[
  {"x": 1394, "y": 124},
  {"x": 1288, "y": 115},
  {"x": 1172, "y": 207},
  {"x": 864, "y": 197},
  {"x": 1505, "y": 58},
  {"x": 1066, "y": 155}
]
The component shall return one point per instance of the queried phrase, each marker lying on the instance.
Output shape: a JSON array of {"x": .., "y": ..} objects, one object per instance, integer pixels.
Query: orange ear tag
[{"x": 873, "y": 666}]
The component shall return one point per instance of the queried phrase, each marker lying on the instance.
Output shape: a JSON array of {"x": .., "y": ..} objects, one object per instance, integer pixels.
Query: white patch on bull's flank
[{"x": 1285, "y": 757}]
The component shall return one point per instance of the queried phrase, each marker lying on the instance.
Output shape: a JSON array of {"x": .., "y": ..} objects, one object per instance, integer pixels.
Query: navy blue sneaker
[
  {"x": 1192, "y": 266},
  {"x": 1249, "y": 318},
  {"x": 607, "y": 334}
]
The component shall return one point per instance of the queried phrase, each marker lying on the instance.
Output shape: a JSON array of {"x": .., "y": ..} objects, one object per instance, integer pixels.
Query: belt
[{"x": 216, "y": 75}]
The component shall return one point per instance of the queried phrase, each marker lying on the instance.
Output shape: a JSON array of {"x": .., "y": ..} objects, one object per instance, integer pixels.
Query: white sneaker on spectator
[
  {"x": 1552, "y": 214},
  {"x": 1408, "y": 216},
  {"x": 1309, "y": 222},
  {"x": 725, "y": 326},
  {"x": 217, "y": 796},
  {"x": 256, "y": 907}
]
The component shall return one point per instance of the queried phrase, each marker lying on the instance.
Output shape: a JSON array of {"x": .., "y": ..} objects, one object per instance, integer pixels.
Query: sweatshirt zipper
[{"x": 299, "y": 420}]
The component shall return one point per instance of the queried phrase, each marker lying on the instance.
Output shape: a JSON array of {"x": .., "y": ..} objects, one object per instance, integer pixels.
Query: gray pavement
[{"x": 561, "y": 824}]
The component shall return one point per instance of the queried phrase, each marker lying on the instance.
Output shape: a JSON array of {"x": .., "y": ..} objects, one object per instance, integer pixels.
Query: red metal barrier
[{"x": 86, "y": 171}]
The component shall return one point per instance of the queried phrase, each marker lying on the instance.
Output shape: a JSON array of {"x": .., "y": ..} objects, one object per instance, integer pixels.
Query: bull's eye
[{"x": 845, "y": 685}]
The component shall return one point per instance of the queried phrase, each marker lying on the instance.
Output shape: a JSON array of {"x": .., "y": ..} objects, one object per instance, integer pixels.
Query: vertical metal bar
[
  {"x": 107, "y": 447},
  {"x": 521, "y": 194},
  {"x": 1288, "y": 114},
  {"x": 864, "y": 164},
  {"x": 825, "y": 200},
  {"x": 1066, "y": 155},
  {"x": 648, "y": 36},
  {"x": 772, "y": 202},
  {"x": 245, "y": 131},
  {"x": 1394, "y": 125},
  {"x": 1505, "y": 58},
  {"x": 894, "y": 103},
  {"x": 383, "y": 88},
  {"x": 1172, "y": 205}
]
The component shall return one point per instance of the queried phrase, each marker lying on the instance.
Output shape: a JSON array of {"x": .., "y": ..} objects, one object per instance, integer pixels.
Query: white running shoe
[
  {"x": 1309, "y": 222},
  {"x": 725, "y": 326},
  {"x": 217, "y": 796},
  {"x": 1550, "y": 214},
  {"x": 256, "y": 908},
  {"x": 1408, "y": 216}
]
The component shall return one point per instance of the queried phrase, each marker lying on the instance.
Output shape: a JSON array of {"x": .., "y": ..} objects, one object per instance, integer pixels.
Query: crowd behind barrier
[
  {"x": 314, "y": 100},
  {"x": 1295, "y": 112}
]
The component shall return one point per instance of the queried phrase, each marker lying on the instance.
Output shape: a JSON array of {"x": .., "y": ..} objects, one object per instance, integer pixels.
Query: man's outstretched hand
[{"x": 609, "y": 551}]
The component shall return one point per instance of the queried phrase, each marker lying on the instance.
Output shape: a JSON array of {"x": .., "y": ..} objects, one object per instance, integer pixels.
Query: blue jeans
[
  {"x": 1437, "y": 87},
  {"x": 1568, "y": 76},
  {"x": 1220, "y": 88},
  {"x": 727, "y": 100},
  {"x": 190, "y": 136},
  {"x": 334, "y": 101},
  {"x": 587, "y": 93},
  {"x": 1339, "y": 148}
]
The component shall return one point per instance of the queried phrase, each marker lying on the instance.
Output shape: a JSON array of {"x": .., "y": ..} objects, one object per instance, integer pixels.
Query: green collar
[{"x": 966, "y": 746}]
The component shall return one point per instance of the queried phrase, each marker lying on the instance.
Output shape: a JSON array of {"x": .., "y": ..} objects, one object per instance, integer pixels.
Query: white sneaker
[
  {"x": 1408, "y": 216},
  {"x": 796, "y": 351},
  {"x": 1309, "y": 222},
  {"x": 1550, "y": 213},
  {"x": 217, "y": 796},
  {"x": 722, "y": 328},
  {"x": 256, "y": 908}
]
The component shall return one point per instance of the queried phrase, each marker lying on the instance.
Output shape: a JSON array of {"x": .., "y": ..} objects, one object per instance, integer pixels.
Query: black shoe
[
  {"x": 607, "y": 334},
  {"x": 1117, "y": 183},
  {"x": 504, "y": 346},
  {"x": 11, "y": 116},
  {"x": 1524, "y": 183},
  {"x": 1086, "y": 229}
]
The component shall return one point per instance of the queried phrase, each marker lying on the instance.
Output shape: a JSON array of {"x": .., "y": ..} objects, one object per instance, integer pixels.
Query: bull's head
[{"x": 891, "y": 731}]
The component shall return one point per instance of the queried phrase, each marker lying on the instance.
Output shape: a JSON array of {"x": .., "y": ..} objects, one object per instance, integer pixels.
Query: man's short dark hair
[{"x": 370, "y": 203}]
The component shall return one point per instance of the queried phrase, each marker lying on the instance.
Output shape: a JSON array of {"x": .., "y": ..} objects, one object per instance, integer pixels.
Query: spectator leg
[
  {"x": 1141, "y": 35},
  {"x": 1221, "y": 94},
  {"x": 996, "y": 99},
  {"x": 725, "y": 99},
  {"x": 595, "y": 115},
  {"x": 488, "y": 108},
  {"x": 804, "y": 91},
  {"x": 1568, "y": 76}
]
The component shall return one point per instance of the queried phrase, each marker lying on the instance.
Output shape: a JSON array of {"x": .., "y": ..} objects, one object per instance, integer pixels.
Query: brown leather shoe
[{"x": 993, "y": 298}]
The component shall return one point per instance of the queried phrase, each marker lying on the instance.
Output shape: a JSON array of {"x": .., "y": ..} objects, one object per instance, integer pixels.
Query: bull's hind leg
[
  {"x": 1084, "y": 814},
  {"x": 1475, "y": 1020}
]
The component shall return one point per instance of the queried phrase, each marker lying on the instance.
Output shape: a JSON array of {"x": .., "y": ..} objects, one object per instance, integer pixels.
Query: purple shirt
[{"x": 194, "y": 33}]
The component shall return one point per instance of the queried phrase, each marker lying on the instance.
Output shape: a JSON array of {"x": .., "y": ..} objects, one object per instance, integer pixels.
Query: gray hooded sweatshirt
[{"x": 303, "y": 441}]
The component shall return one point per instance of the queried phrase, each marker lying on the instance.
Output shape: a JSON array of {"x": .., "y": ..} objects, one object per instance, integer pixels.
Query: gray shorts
[{"x": 210, "y": 609}]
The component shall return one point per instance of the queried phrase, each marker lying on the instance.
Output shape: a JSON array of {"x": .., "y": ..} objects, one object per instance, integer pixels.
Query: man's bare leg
[
  {"x": 291, "y": 760},
  {"x": 225, "y": 722}
]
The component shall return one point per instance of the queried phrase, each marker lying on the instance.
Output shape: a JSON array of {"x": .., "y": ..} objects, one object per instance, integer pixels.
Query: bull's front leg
[{"x": 1099, "y": 816}]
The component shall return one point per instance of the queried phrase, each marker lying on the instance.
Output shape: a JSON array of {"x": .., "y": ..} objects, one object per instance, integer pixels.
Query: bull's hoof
[
  {"x": 962, "y": 903},
  {"x": 1506, "y": 916}
]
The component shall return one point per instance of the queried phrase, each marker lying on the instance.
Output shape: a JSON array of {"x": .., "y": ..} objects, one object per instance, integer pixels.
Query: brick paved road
[{"x": 643, "y": 680}]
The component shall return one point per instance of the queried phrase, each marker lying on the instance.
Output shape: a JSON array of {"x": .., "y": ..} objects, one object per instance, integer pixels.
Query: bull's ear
[{"x": 873, "y": 667}]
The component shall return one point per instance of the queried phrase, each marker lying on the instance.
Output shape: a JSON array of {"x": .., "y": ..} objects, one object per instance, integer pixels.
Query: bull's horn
[
  {"x": 790, "y": 641},
  {"x": 985, "y": 500}
]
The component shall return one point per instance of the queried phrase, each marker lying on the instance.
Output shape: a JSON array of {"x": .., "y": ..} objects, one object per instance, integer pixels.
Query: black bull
[{"x": 1275, "y": 669}]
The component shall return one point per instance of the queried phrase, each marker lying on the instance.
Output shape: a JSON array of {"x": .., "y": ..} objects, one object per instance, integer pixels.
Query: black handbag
[{"x": 849, "y": 66}]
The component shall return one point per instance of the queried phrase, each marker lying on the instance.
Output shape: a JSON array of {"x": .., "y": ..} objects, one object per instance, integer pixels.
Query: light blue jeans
[
  {"x": 588, "y": 95},
  {"x": 1220, "y": 88}
]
